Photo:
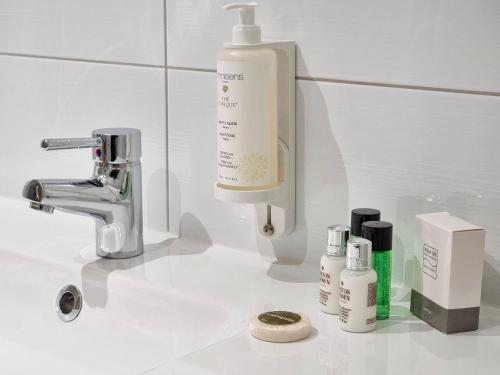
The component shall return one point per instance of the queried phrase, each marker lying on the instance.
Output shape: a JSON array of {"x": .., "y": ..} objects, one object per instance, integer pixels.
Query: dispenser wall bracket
[{"x": 275, "y": 208}]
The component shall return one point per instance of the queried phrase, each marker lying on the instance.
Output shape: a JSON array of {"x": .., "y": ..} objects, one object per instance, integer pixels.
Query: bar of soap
[{"x": 280, "y": 326}]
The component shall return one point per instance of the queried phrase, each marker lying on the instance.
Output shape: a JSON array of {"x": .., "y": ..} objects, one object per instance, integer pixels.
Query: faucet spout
[
  {"x": 87, "y": 197},
  {"x": 41, "y": 207}
]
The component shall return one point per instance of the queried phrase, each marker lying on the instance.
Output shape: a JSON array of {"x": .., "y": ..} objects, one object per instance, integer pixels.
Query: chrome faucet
[{"x": 112, "y": 195}]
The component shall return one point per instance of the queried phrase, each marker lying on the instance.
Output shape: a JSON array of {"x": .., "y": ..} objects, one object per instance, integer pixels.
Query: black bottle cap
[
  {"x": 379, "y": 233},
  {"x": 359, "y": 216}
]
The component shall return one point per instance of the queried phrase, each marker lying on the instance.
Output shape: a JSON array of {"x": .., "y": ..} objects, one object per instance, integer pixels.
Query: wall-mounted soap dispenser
[{"x": 256, "y": 124}]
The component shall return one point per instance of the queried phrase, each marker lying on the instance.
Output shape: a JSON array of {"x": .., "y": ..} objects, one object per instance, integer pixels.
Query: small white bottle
[
  {"x": 247, "y": 108},
  {"x": 358, "y": 289},
  {"x": 332, "y": 263}
]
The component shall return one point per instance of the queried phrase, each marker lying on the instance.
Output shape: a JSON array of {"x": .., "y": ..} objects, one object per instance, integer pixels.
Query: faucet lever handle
[
  {"x": 111, "y": 145},
  {"x": 67, "y": 143}
]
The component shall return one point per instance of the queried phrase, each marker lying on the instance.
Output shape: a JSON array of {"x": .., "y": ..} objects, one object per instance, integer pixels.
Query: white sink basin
[
  {"x": 125, "y": 326},
  {"x": 183, "y": 309}
]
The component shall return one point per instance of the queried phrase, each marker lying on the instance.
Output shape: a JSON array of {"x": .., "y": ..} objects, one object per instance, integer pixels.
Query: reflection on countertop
[{"x": 184, "y": 306}]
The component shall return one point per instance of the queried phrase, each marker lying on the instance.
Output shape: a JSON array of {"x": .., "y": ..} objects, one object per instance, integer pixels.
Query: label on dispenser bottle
[{"x": 247, "y": 133}]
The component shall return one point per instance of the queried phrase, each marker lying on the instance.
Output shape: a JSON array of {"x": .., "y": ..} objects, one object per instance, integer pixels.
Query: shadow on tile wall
[
  {"x": 321, "y": 188},
  {"x": 154, "y": 217}
]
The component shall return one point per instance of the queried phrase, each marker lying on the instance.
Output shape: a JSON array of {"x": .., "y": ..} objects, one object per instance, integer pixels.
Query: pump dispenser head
[{"x": 246, "y": 32}]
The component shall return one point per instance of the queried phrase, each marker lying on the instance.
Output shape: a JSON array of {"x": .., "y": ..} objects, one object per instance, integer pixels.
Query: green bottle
[{"x": 380, "y": 234}]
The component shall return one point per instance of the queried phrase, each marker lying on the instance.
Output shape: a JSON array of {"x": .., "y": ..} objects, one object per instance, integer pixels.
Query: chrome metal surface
[
  {"x": 119, "y": 145},
  {"x": 112, "y": 195},
  {"x": 359, "y": 254},
  {"x": 269, "y": 227},
  {"x": 338, "y": 235},
  {"x": 268, "y": 230},
  {"x": 110, "y": 145},
  {"x": 67, "y": 143},
  {"x": 41, "y": 207},
  {"x": 69, "y": 303}
]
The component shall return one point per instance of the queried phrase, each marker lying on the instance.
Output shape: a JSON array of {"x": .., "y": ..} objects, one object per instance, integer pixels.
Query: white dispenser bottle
[
  {"x": 358, "y": 289},
  {"x": 332, "y": 263},
  {"x": 247, "y": 108}
]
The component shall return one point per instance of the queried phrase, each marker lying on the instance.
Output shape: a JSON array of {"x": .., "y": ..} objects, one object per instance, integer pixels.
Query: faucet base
[{"x": 120, "y": 254}]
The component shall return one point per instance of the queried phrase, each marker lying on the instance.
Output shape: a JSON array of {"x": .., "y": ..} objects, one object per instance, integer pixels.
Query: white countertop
[{"x": 205, "y": 295}]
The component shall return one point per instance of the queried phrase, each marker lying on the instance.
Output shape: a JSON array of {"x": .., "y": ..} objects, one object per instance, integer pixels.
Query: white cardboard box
[{"x": 446, "y": 291}]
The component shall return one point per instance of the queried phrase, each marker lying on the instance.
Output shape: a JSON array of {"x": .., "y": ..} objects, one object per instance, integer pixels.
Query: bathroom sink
[
  {"x": 125, "y": 326},
  {"x": 183, "y": 307}
]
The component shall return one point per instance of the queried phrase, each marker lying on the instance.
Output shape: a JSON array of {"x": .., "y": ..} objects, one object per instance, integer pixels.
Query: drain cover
[{"x": 68, "y": 303}]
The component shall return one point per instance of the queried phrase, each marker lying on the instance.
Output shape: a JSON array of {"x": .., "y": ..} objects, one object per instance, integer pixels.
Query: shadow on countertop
[{"x": 193, "y": 239}]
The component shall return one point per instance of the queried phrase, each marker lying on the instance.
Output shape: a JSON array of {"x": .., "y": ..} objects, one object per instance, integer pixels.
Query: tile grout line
[
  {"x": 400, "y": 86},
  {"x": 90, "y": 61},
  {"x": 313, "y": 79},
  {"x": 364, "y": 83},
  {"x": 187, "y": 69},
  {"x": 167, "y": 177}
]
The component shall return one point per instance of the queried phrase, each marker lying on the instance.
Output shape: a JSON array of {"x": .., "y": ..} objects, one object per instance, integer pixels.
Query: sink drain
[{"x": 68, "y": 303}]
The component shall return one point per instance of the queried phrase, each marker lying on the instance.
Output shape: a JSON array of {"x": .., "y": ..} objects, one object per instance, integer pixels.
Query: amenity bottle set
[
  {"x": 356, "y": 269},
  {"x": 355, "y": 274},
  {"x": 248, "y": 161}
]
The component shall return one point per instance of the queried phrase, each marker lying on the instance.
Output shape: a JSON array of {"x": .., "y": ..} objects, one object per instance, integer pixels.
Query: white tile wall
[
  {"x": 414, "y": 146},
  {"x": 403, "y": 151},
  {"x": 438, "y": 43},
  {"x": 106, "y": 30},
  {"x": 42, "y": 98},
  {"x": 193, "y": 167},
  {"x": 54, "y": 93}
]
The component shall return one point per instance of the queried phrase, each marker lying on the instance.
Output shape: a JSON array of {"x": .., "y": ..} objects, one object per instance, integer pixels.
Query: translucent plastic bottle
[
  {"x": 247, "y": 108},
  {"x": 380, "y": 234}
]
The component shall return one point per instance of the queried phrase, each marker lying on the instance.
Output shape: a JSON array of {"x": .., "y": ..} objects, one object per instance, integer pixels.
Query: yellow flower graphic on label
[{"x": 253, "y": 167}]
